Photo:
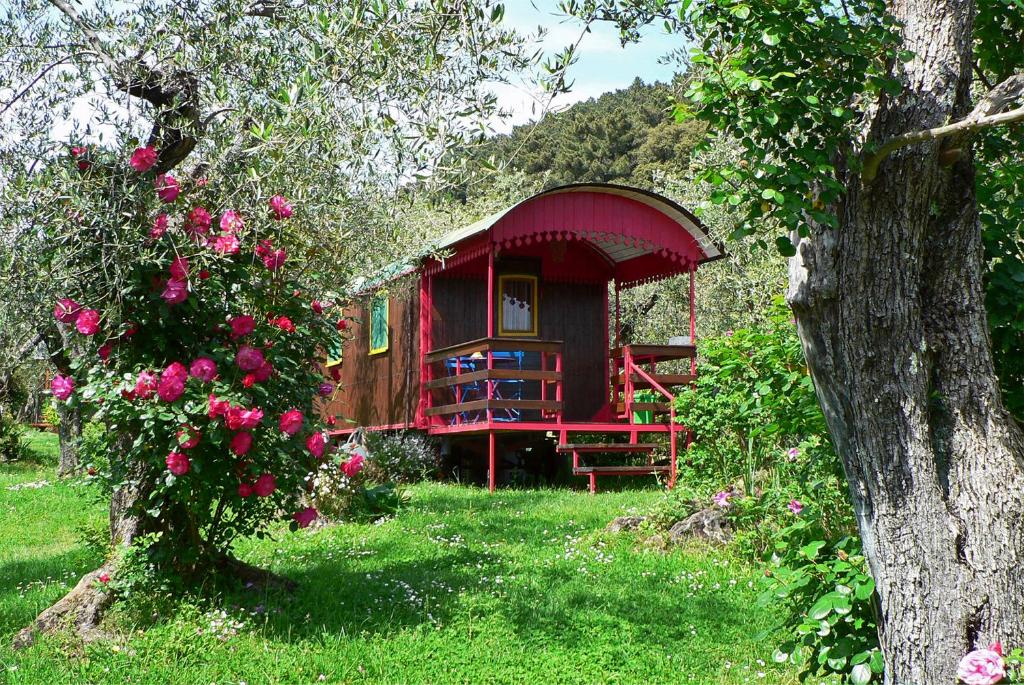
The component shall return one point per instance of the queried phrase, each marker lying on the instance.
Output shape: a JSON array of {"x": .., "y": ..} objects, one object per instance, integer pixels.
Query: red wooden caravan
[{"x": 505, "y": 343}]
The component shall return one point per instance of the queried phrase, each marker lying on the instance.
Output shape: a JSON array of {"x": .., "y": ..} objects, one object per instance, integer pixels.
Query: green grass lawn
[{"x": 461, "y": 587}]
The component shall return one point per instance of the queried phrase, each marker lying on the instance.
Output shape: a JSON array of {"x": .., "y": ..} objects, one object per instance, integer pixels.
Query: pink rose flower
[
  {"x": 291, "y": 421},
  {"x": 159, "y": 227},
  {"x": 218, "y": 407},
  {"x": 179, "y": 268},
  {"x": 981, "y": 667},
  {"x": 88, "y": 322},
  {"x": 103, "y": 578},
  {"x": 167, "y": 188},
  {"x": 325, "y": 389},
  {"x": 241, "y": 443},
  {"x": 263, "y": 373},
  {"x": 66, "y": 310},
  {"x": 239, "y": 417},
  {"x": 104, "y": 351},
  {"x": 203, "y": 368},
  {"x": 249, "y": 358},
  {"x": 244, "y": 490},
  {"x": 176, "y": 291},
  {"x": 315, "y": 443},
  {"x": 62, "y": 387},
  {"x": 145, "y": 385},
  {"x": 285, "y": 324},
  {"x": 722, "y": 498},
  {"x": 272, "y": 259},
  {"x": 317, "y": 307},
  {"x": 249, "y": 380},
  {"x": 265, "y": 485},
  {"x": 191, "y": 437},
  {"x": 143, "y": 158},
  {"x": 354, "y": 465},
  {"x": 172, "y": 382},
  {"x": 198, "y": 221},
  {"x": 231, "y": 222},
  {"x": 795, "y": 506},
  {"x": 341, "y": 325},
  {"x": 227, "y": 244},
  {"x": 177, "y": 463},
  {"x": 242, "y": 326},
  {"x": 305, "y": 517},
  {"x": 279, "y": 208}
]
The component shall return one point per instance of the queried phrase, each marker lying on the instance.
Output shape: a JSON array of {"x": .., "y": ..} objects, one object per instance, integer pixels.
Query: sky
[{"x": 603, "y": 64}]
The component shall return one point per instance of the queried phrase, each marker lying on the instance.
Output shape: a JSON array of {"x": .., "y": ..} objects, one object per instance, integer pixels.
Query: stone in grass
[
  {"x": 622, "y": 523},
  {"x": 707, "y": 524}
]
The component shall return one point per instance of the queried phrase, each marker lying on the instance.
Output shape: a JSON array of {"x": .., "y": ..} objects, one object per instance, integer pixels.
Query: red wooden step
[
  {"x": 620, "y": 470},
  {"x": 606, "y": 447}
]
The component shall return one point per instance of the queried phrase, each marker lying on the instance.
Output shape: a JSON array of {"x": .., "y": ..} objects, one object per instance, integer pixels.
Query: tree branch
[{"x": 991, "y": 111}]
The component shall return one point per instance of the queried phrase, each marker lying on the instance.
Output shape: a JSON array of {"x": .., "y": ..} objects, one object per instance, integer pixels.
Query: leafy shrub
[
  {"x": 12, "y": 447},
  {"x": 753, "y": 401},
  {"x": 50, "y": 414},
  {"x": 833, "y": 610},
  {"x": 341, "y": 488},
  {"x": 403, "y": 457}
]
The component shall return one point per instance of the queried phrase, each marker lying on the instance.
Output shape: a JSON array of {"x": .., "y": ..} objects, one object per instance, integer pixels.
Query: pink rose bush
[{"x": 204, "y": 367}]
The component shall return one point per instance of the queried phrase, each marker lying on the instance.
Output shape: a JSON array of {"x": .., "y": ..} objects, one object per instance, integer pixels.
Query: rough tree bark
[{"x": 892, "y": 318}]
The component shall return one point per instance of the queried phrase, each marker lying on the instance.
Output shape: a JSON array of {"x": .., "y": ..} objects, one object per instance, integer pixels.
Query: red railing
[{"x": 475, "y": 394}]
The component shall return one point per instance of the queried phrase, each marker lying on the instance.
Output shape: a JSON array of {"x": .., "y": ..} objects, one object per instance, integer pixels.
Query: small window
[
  {"x": 379, "y": 324},
  {"x": 517, "y": 309}
]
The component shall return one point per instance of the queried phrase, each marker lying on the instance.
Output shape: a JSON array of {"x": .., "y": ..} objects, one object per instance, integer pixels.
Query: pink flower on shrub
[
  {"x": 79, "y": 152},
  {"x": 285, "y": 324},
  {"x": 104, "y": 351},
  {"x": 231, "y": 222},
  {"x": 982, "y": 667},
  {"x": 172, "y": 382},
  {"x": 317, "y": 307},
  {"x": 143, "y": 158},
  {"x": 177, "y": 463},
  {"x": 262, "y": 374},
  {"x": 175, "y": 291},
  {"x": 218, "y": 407},
  {"x": 341, "y": 325},
  {"x": 291, "y": 421},
  {"x": 242, "y": 326},
  {"x": 241, "y": 443},
  {"x": 728, "y": 333},
  {"x": 227, "y": 244},
  {"x": 159, "y": 227},
  {"x": 179, "y": 268},
  {"x": 325, "y": 389},
  {"x": 203, "y": 368},
  {"x": 88, "y": 322},
  {"x": 354, "y": 464},
  {"x": 279, "y": 208},
  {"x": 305, "y": 517},
  {"x": 265, "y": 485},
  {"x": 315, "y": 443},
  {"x": 66, "y": 310},
  {"x": 62, "y": 387},
  {"x": 191, "y": 436},
  {"x": 244, "y": 490},
  {"x": 249, "y": 358},
  {"x": 795, "y": 506},
  {"x": 272, "y": 259},
  {"x": 198, "y": 220},
  {"x": 239, "y": 417},
  {"x": 793, "y": 452},
  {"x": 722, "y": 498},
  {"x": 103, "y": 578},
  {"x": 249, "y": 380},
  {"x": 167, "y": 188},
  {"x": 145, "y": 385}
]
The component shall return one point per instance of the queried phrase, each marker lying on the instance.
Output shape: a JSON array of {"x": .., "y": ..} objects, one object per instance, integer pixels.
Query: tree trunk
[
  {"x": 892, "y": 318},
  {"x": 69, "y": 431}
]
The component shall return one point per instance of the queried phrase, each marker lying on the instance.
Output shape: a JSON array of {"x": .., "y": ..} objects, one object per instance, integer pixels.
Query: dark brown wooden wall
[
  {"x": 382, "y": 389},
  {"x": 573, "y": 313}
]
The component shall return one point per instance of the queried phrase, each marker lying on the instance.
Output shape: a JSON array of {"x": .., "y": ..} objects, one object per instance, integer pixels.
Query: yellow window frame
[
  {"x": 387, "y": 320},
  {"x": 535, "y": 315}
]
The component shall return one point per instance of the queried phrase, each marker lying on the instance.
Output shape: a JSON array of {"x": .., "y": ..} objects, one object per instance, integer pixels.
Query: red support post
[
  {"x": 693, "y": 319},
  {"x": 607, "y": 361},
  {"x": 492, "y": 476},
  {"x": 490, "y": 329}
]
